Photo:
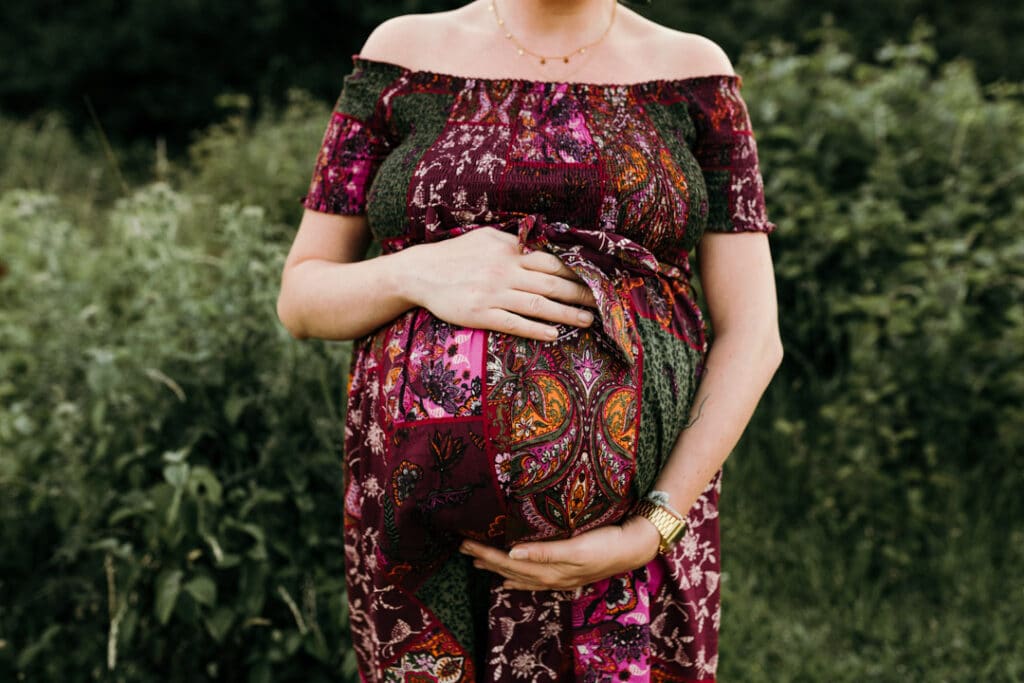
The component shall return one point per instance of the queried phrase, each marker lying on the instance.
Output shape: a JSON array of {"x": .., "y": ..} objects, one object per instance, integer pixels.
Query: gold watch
[{"x": 668, "y": 525}]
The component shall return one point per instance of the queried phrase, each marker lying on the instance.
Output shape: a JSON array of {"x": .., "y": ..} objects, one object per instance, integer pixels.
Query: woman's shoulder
[
  {"x": 677, "y": 54},
  {"x": 405, "y": 38}
]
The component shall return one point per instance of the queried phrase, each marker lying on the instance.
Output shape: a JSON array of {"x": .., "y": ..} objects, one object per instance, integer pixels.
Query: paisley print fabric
[{"x": 457, "y": 432}]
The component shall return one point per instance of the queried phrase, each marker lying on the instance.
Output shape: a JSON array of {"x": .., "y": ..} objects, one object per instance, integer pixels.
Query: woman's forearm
[
  {"x": 330, "y": 300},
  {"x": 480, "y": 280},
  {"x": 737, "y": 372}
]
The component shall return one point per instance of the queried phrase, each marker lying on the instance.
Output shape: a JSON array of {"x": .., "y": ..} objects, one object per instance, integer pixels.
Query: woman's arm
[
  {"x": 327, "y": 290},
  {"x": 478, "y": 279},
  {"x": 738, "y": 281}
]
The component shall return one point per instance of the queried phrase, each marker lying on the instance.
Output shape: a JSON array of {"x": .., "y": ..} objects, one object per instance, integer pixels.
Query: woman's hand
[
  {"x": 574, "y": 562},
  {"x": 481, "y": 279}
]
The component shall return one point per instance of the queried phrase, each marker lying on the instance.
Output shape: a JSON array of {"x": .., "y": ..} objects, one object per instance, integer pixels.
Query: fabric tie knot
[{"x": 599, "y": 258}]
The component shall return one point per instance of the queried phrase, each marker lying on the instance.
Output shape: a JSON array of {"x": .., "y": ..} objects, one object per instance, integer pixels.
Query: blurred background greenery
[
  {"x": 149, "y": 69},
  {"x": 169, "y": 455}
]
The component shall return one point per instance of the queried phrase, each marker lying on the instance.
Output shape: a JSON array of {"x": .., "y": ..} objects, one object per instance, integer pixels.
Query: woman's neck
[{"x": 554, "y": 25}]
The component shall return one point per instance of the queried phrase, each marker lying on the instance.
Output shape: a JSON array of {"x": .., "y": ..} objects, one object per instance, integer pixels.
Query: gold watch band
[{"x": 668, "y": 525}]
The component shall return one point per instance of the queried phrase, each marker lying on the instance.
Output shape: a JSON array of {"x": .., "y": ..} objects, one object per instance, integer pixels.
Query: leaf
[
  {"x": 176, "y": 474},
  {"x": 203, "y": 589},
  {"x": 133, "y": 503},
  {"x": 258, "y": 496},
  {"x": 291, "y": 643},
  {"x": 258, "y": 551},
  {"x": 114, "y": 547},
  {"x": 219, "y": 623},
  {"x": 127, "y": 459},
  {"x": 252, "y": 587},
  {"x": 234, "y": 406},
  {"x": 176, "y": 456},
  {"x": 203, "y": 483},
  {"x": 34, "y": 649},
  {"x": 128, "y": 625},
  {"x": 168, "y": 586},
  {"x": 172, "y": 509},
  {"x": 349, "y": 666}
]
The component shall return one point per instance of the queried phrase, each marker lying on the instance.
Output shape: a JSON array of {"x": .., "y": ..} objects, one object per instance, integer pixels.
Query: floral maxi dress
[{"x": 458, "y": 432}]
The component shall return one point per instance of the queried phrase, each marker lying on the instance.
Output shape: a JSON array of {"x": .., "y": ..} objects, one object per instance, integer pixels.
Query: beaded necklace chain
[{"x": 522, "y": 49}]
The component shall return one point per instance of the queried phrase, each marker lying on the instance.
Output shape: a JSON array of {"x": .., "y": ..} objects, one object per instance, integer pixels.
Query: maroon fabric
[{"x": 458, "y": 432}]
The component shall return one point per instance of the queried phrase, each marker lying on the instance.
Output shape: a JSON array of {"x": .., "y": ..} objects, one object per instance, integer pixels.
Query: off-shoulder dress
[{"x": 457, "y": 432}]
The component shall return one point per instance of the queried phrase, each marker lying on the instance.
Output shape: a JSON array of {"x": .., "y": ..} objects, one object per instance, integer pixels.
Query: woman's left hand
[{"x": 571, "y": 563}]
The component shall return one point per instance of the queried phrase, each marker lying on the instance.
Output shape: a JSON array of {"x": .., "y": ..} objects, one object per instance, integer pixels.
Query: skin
[{"x": 480, "y": 279}]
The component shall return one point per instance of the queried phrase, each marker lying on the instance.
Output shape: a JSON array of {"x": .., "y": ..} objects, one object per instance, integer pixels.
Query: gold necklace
[{"x": 522, "y": 49}]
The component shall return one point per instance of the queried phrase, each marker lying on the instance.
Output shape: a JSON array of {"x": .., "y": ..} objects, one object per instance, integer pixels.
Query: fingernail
[
  {"x": 552, "y": 332},
  {"x": 464, "y": 549},
  {"x": 518, "y": 554},
  {"x": 585, "y": 317}
]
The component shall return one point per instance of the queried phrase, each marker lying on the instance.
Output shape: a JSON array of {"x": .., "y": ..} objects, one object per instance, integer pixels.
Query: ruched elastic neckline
[{"x": 461, "y": 82}]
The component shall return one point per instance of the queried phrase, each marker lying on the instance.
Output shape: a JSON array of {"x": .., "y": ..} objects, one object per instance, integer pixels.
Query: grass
[{"x": 799, "y": 606}]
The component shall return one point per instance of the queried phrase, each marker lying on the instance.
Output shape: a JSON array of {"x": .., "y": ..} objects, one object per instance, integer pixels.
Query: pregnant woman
[{"x": 537, "y": 413}]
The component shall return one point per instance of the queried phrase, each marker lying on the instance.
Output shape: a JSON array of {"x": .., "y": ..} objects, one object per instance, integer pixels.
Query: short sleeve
[
  {"x": 354, "y": 144},
  {"x": 727, "y": 153}
]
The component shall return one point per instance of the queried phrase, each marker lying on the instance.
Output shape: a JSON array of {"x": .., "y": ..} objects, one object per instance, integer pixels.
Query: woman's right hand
[{"x": 481, "y": 279}]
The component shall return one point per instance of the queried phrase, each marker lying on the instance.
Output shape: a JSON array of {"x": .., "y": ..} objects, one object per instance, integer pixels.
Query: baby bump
[
  {"x": 498, "y": 437},
  {"x": 563, "y": 420}
]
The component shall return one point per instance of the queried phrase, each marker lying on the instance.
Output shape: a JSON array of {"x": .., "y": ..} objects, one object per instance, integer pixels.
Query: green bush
[
  {"x": 264, "y": 161},
  {"x": 267, "y": 163},
  {"x": 170, "y": 468},
  {"x": 41, "y": 154},
  {"x": 873, "y": 526},
  {"x": 900, "y": 263}
]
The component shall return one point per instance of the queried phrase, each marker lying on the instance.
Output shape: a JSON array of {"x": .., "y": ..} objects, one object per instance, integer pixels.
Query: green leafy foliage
[
  {"x": 266, "y": 163},
  {"x": 169, "y": 455},
  {"x": 39, "y": 153},
  {"x": 170, "y": 464},
  {"x": 899, "y": 259},
  {"x": 875, "y": 496},
  {"x": 149, "y": 69}
]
